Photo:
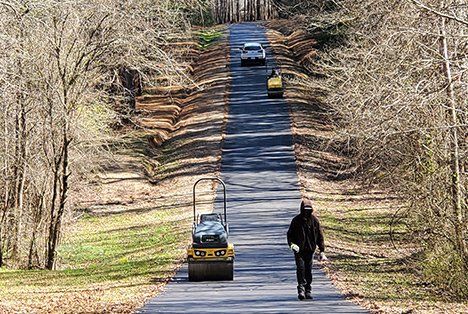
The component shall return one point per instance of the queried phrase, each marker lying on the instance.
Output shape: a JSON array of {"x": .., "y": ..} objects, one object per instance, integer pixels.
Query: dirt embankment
[
  {"x": 178, "y": 139},
  {"x": 367, "y": 264}
]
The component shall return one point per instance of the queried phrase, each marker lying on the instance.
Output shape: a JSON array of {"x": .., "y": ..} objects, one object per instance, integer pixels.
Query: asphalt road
[{"x": 263, "y": 195}]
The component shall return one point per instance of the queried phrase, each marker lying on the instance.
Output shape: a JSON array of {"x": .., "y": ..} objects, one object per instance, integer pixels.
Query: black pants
[{"x": 304, "y": 271}]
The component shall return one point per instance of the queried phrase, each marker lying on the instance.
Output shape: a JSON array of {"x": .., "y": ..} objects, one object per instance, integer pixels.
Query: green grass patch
[
  {"x": 117, "y": 249},
  {"x": 207, "y": 37}
]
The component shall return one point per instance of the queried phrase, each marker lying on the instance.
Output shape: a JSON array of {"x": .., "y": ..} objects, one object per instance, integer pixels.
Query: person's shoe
[
  {"x": 308, "y": 295},
  {"x": 301, "y": 296}
]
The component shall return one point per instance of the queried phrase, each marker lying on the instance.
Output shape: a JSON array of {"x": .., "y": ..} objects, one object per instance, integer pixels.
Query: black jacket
[{"x": 306, "y": 233}]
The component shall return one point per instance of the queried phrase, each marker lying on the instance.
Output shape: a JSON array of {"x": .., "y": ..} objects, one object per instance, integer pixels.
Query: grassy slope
[
  {"x": 365, "y": 263},
  {"x": 104, "y": 259},
  {"x": 132, "y": 235}
]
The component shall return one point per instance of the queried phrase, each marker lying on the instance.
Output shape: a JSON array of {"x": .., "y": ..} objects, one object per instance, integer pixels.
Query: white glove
[
  {"x": 295, "y": 247},
  {"x": 322, "y": 257}
]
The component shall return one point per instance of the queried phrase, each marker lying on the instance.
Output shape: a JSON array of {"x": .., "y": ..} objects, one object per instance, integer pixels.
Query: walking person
[
  {"x": 274, "y": 73},
  {"x": 304, "y": 235}
]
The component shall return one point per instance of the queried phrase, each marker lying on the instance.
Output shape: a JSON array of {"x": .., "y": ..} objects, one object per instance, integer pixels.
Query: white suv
[{"x": 253, "y": 53}]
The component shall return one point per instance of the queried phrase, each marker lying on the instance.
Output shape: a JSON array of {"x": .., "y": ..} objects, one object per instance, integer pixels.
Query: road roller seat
[
  {"x": 211, "y": 217},
  {"x": 210, "y": 232}
]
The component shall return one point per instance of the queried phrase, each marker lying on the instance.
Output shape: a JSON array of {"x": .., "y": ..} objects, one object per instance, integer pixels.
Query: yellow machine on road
[
  {"x": 275, "y": 87},
  {"x": 210, "y": 256}
]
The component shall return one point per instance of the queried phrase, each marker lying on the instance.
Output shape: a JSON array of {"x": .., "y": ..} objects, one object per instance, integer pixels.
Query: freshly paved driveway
[{"x": 263, "y": 195}]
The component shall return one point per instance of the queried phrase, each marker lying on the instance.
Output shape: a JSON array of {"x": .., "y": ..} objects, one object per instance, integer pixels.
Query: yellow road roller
[
  {"x": 275, "y": 86},
  {"x": 210, "y": 256}
]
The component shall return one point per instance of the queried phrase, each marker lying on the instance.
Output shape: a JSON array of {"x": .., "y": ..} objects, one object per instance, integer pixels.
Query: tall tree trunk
[
  {"x": 6, "y": 185},
  {"x": 454, "y": 146},
  {"x": 62, "y": 187},
  {"x": 216, "y": 11},
  {"x": 226, "y": 11},
  {"x": 222, "y": 11},
  {"x": 252, "y": 10},
  {"x": 36, "y": 224},
  {"x": 20, "y": 168},
  {"x": 202, "y": 15},
  {"x": 1, "y": 238},
  {"x": 233, "y": 14},
  {"x": 245, "y": 10},
  {"x": 50, "y": 258},
  {"x": 259, "y": 11}
]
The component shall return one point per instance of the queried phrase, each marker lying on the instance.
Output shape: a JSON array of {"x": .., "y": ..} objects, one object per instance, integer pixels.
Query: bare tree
[
  {"x": 59, "y": 78},
  {"x": 228, "y": 11},
  {"x": 398, "y": 88}
]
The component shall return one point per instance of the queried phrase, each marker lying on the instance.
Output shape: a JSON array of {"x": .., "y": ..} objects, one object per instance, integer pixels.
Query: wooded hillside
[
  {"x": 68, "y": 72},
  {"x": 394, "y": 74}
]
